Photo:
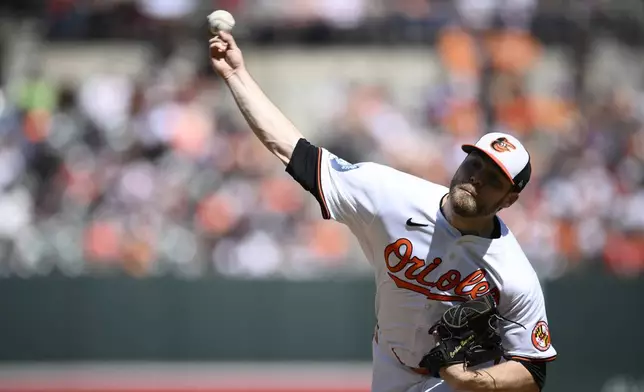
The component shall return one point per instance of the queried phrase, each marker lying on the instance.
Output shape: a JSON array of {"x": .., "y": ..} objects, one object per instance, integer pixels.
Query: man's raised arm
[{"x": 270, "y": 125}]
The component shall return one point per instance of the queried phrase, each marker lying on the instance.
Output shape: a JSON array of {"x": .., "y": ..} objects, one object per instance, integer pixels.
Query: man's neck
[{"x": 482, "y": 227}]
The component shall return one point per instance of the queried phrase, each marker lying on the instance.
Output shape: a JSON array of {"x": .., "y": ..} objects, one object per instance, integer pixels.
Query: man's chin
[{"x": 464, "y": 206}]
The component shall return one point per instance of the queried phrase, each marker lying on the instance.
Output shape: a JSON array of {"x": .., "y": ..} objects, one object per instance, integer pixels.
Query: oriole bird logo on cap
[{"x": 502, "y": 145}]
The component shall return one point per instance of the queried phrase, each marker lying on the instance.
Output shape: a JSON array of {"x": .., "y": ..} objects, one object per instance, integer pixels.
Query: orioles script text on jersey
[{"x": 399, "y": 257}]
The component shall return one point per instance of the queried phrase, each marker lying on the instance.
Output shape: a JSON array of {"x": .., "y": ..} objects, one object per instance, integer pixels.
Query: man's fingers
[
  {"x": 228, "y": 38},
  {"x": 217, "y": 45}
]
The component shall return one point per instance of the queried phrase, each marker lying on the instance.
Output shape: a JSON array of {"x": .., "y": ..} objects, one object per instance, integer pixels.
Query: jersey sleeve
[
  {"x": 346, "y": 192},
  {"x": 531, "y": 340}
]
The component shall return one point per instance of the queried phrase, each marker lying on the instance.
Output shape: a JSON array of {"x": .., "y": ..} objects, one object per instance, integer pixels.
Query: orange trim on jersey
[
  {"x": 325, "y": 211},
  {"x": 528, "y": 359}
]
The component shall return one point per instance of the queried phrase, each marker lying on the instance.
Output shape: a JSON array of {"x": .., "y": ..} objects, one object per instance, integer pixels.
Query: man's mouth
[{"x": 471, "y": 193}]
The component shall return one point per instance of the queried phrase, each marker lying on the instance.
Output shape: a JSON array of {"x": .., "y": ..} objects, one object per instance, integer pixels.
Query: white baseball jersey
[{"x": 423, "y": 265}]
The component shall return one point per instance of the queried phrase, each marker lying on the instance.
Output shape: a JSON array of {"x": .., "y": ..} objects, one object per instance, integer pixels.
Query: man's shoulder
[
  {"x": 400, "y": 182},
  {"x": 383, "y": 171},
  {"x": 513, "y": 262},
  {"x": 519, "y": 280}
]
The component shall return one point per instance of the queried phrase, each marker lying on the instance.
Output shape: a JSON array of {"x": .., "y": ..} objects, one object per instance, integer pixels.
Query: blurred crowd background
[{"x": 152, "y": 173}]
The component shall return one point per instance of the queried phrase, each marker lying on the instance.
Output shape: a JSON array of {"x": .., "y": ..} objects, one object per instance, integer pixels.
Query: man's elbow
[
  {"x": 283, "y": 149},
  {"x": 531, "y": 387},
  {"x": 526, "y": 383}
]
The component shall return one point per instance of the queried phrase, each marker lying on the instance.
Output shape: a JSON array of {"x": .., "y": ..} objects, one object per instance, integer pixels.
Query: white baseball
[{"x": 221, "y": 20}]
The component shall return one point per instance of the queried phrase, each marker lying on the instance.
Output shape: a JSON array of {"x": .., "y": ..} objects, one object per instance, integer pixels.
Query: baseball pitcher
[{"x": 458, "y": 305}]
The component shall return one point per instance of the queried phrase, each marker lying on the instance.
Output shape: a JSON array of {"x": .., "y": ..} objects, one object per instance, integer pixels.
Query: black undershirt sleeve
[{"x": 304, "y": 167}]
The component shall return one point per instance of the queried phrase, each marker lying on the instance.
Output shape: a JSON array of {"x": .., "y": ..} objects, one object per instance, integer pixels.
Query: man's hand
[{"x": 225, "y": 55}]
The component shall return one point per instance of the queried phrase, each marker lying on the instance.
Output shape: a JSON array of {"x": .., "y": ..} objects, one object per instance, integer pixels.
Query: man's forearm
[
  {"x": 509, "y": 376},
  {"x": 270, "y": 125}
]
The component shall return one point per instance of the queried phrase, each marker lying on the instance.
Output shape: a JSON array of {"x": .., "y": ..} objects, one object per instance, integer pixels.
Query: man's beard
[{"x": 465, "y": 204}]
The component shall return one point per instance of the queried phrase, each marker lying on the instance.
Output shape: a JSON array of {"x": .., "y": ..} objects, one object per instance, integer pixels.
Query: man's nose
[{"x": 474, "y": 180}]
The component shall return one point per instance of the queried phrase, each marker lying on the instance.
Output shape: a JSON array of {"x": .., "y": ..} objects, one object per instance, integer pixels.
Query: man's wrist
[
  {"x": 240, "y": 72},
  {"x": 457, "y": 376}
]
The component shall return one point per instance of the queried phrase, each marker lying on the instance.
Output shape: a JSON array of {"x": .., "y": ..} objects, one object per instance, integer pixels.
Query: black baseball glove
[{"x": 466, "y": 333}]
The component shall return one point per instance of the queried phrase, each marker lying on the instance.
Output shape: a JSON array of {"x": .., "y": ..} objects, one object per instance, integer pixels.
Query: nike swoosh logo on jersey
[{"x": 414, "y": 224}]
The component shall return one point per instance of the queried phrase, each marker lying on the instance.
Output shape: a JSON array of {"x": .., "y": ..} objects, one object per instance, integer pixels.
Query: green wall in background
[
  {"x": 58, "y": 318},
  {"x": 596, "y": 322}
]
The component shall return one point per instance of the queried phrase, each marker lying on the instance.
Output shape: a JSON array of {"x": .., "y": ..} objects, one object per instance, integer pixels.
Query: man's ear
[{"x": 510, "y": 199}]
